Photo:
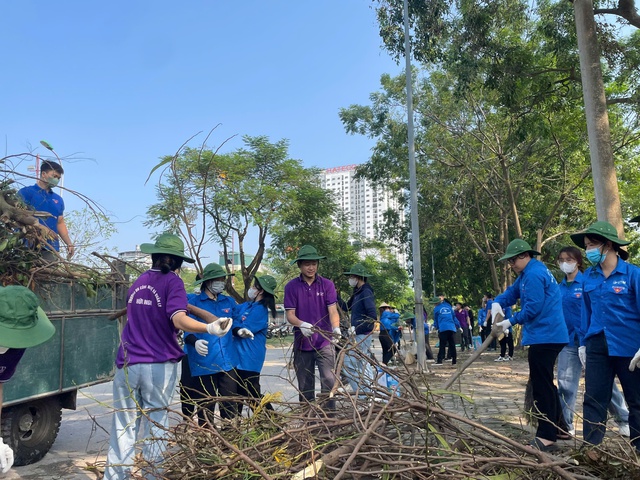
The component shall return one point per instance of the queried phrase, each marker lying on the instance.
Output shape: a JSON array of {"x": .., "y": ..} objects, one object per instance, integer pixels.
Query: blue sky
[{"x": 113, "y": 86}]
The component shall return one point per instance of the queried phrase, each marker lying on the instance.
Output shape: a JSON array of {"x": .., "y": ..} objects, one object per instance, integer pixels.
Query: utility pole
[
  {"x": 605, "y": 182},
  {"x": 413, "y": 185}
]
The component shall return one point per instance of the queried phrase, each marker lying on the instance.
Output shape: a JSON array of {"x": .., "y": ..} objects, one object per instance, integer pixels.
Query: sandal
[{"x": 537, "y": 443}]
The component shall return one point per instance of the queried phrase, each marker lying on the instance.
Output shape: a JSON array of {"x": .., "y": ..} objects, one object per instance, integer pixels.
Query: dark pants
[
  {"x": 388, "y": 347},
  {"x": 249, "y": 386},
  {"x": 542, "y": 358},
  {"x": 427, "y": 347},
  {"x": 305, "y": 362},
  {"x": 447, "y": 338},
  {"x": 507, "y": 340},
  {"x": 188, "y": 384},
  {"x": 466, "y": 338},
  {"x": 200, "y": 393},
  {"x": 600, "y": 372}
]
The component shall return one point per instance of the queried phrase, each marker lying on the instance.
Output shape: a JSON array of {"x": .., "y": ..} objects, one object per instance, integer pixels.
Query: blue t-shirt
[
  {"x": 572, "y": 307},
  {"x": 444, "y": 319},
  {"x": 222, "y": 355},
  {"x": 45, "y": 200},
  {"x": 253, "y": 316}
]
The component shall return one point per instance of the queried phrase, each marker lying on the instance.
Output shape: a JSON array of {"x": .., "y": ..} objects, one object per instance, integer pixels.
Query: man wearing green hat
[
  {"x": 310, "y": 302},
  {"x": 23, "y": 324},
  {"x": 543, "y": 330},
  {"x": 610, "y": 330},
  {"x": 362, "y": 306}
]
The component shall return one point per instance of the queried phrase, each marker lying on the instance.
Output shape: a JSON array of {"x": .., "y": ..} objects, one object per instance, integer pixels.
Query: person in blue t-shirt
[
  {"x": 543, "y": 331},
  {"x": 446, "y": 323},
  {"x": 609, "y": 330},
  {"x": 250, "y": 325},
  {"x": 42, "y": 198}
]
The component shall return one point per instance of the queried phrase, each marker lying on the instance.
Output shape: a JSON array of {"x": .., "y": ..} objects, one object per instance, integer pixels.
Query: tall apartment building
[{"x": 363, "y": 204}]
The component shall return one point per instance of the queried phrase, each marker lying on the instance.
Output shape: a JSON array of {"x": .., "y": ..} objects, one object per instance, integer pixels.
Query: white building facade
[{"x": 363, "y": 204}]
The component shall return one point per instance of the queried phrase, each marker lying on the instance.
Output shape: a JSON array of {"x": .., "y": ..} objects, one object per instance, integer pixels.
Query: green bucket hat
[
  {"x": 23, "y": 323},
  {"x": 602, "y": 229},
  {"x": 307, "y": 252},
  {"x": 268, "y": 283},
  {"x": 211, "y": 271},
  {"x": 169, "y": 244},
  {"x": 515, "y": 248},
  {"x": 358, "y": 270},
  {"x": 406, "y": 316}
]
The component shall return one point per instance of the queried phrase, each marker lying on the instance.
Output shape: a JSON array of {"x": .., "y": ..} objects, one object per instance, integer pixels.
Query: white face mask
[
  {"x": 353, "y": 282},
  {"x": 216, "y": 287},
  {"x": 252, "y": 293},
  {"x": 568, "y": 267}
]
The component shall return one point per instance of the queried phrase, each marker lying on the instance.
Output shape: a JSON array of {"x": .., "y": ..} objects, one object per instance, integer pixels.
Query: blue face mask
[{"x": 594, "y": 255}]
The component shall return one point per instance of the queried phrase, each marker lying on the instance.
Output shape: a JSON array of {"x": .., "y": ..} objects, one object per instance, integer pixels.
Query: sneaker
[
  {"x": 623, "y": 430},
  {"x": 500, "y": 359},
  {"x": 437, "y": 364},
  {"x": 508, "y": 358}
]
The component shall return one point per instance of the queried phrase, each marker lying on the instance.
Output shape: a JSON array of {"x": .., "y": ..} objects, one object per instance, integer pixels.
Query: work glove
[
  {"x": 503, "y": 326},
  {"x": 460, "y": 329},
  {"x": 582, "y": 355},
  {"x": 202, "y": 347},
  {"x": 245, "y": 333},
  {"x": 220, "y": 327},
  {"x": 495, "y": 309},
  {"x": 337, "y": 333},
  {"x": 306, "y": 329},
  {"x": 6, "y": 457},
  {"x": 352, "y": 331},
  {"x": 634, "y": 361}
]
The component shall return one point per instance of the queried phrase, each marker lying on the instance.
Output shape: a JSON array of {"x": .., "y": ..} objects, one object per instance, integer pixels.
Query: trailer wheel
[{"x": 31, "y": 428}]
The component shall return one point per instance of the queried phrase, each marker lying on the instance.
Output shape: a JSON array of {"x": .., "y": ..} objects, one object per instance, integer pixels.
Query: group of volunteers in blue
[{"x": 594, "y": 316}]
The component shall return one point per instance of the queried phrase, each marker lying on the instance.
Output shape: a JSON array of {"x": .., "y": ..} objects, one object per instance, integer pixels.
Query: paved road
[{"x": 84, "y": 437}]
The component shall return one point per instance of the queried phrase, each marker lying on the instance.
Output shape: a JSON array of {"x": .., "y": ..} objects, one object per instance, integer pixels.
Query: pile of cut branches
[{"x": 378, "y": 435}]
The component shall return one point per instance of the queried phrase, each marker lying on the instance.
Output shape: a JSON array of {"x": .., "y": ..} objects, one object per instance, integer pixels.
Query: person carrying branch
[
  {"x": 543, "y": 330},
  {"x": 149, "y": 354}
]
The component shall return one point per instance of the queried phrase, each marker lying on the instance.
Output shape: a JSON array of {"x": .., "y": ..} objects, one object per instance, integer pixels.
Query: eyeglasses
[{"x": 513, "y": 260}]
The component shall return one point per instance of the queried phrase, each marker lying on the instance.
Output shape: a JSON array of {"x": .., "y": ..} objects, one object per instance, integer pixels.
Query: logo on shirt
[
  {"x": 577, "y": 294},
  {"x": 619, "y": 286},
  {"x": 320, "y": 294}
]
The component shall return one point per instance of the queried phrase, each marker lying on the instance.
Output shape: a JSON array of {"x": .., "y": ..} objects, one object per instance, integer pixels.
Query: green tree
[{"x": 205, "y": 197}]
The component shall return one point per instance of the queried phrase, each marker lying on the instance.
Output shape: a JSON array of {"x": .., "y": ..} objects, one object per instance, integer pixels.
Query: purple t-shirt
[
  {"x": 149, "y": 335},
  {"x": 311, "y": 303},
  {"x": 463, "y": 318},
  {"x": 8, "y": 362}
]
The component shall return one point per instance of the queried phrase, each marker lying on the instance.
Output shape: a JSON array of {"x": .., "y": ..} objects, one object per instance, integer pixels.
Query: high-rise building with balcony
[{"x": 363, "y": 204}]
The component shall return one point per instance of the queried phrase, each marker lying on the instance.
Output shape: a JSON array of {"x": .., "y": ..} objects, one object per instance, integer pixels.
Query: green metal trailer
[{"x": 81, "y": 353}]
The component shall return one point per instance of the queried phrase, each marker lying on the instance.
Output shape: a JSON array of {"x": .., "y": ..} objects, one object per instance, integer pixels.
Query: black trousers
[
  {"x": 542, "y": 358},
  {"x": 388, "y": 347},
  {"x": 201, "y": 393},
  {"x": 447, "y": 338},
  {"x": 249, "y": 386},
  {"x": 507, "y": 341}
]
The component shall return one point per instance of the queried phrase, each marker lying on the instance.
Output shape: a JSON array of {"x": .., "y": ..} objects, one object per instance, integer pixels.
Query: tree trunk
[{"x": 604, "y": 174}]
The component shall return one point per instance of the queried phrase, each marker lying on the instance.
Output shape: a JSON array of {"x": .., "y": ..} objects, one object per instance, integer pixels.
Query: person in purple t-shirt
[
  {"x": 148, "y": 356},
  {"x": 23, "y": 324},
  {"x": 311, "y": 305}
]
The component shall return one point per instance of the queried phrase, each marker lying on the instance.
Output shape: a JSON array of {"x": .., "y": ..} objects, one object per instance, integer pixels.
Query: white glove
[
  {"x": 306, "y": 329},
  {"x": 582, "y": 355},
  {"x": 337, "y": 333},
  {"x": 245, "y": 333},
  {"x": 220, "y": 327},
  {"x": 460, "y": 329},
  {"x": 634, "y": 361},
  {"x": 6, "y": 457},
  {"x": 352, "y": 331},
  {"x": 202, "y": 347},
  {"x": 495, "y": 309},
  {"x": 504, "y": 325}
]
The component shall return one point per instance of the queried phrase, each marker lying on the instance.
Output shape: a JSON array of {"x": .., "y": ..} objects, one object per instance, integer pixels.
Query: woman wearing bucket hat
[
  {"x": 570, "y": 263},
  {"x": 362, "y": 307},
  {"x": 610, "y": 329},
  {"x": 210, "y": 369},
  {"x": 250, "y": 325},
  {"x": 310, "y": 302},
  {"x": 148, "y": 356},
  {"x": 23, "y": 324},
  {"x": 543, "y": 330}
]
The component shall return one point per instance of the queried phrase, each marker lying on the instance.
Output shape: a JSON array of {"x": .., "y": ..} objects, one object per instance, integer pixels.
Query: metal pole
[{"x": 415, "y": 228}]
